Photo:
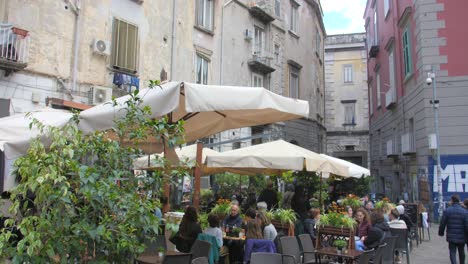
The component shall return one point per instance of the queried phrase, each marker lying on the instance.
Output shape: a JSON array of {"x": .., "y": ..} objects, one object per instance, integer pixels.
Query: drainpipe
[
  {"x": 76, "y": 8},
  {"x": 222, "y": 43},
  {"x": 173, "y": 38}
]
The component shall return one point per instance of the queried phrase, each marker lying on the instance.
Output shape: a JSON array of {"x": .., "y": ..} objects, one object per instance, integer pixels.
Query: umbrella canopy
[
  {"x": 277, "y": 155},
  {"x": 354, "y": 170},
  {"x": 206, "y": 110},
  {"x": 187, "y": 153}
]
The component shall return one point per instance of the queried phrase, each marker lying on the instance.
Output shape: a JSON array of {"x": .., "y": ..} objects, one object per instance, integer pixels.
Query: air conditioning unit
[
  {"x": 101, "y": 47},
  {"x": 389, "y": 98},
  {"x": 100, "y": 95},
  {"x": 407, "y": 144},
  {"x": 432, "y": 141},
  {"x": 248, "y": 34}
]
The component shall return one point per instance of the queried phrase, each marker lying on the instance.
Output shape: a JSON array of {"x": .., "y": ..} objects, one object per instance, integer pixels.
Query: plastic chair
[
  {"x": 366, "y": 256},
  {"x": 308, "y": 249},
  {"x": 290, "y": 250},
  {"x": 402, "y": 243},
  {"x": 389, "y": 252},
  {"x": 377, "y": 257},
  {"x": 177, "y": 259},
  {"x": 200, "y": 260},
  {"x": 266, "y": 258},
  {"x": 200, "y": 249}
]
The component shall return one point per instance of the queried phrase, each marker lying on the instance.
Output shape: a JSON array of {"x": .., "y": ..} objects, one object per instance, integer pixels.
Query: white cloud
[{"x": 351, "y": 10}]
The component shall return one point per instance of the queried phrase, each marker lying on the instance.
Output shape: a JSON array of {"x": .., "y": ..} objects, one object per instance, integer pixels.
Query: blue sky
[{"x": 343, "y": 16}]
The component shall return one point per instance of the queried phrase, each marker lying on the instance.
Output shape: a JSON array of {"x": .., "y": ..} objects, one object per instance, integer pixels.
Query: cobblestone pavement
[{"x": 434, "y": 251}]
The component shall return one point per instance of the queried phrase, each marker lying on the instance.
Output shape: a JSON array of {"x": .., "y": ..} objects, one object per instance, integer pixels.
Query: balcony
[
  {"x": 260, "y": 62},
  {"x": 373, "y": 46},
  {"x": 407, "y": 144},
  {"x": 263, "y": 10},
  {"x": 391, "y": 149},
  {"x": 14, "y": 48}
]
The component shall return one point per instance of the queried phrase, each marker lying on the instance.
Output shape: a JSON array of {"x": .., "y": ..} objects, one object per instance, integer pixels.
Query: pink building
[{"x": 406, "y": 39}]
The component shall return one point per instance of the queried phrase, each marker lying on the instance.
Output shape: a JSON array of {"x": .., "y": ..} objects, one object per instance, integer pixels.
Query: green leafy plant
[
  {"x": 206, "y": 196},
  {"x": 352, "y": 201},
  {"x": 221, "y": 209},
  {"x": 285, "y": 216},
  {"x": 86, "y": 205},
  {"x": 340, "y": 244},
  {"x": 203, "y": 219}
]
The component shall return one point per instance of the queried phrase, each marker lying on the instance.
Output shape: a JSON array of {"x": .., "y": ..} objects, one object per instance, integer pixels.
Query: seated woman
[
  {"x": 377, "y": 233},
  {"x": 362, "y": 217},
  {"x": 214, "y": 229},
  {"x": 189, "y": 229},
  {"x": 310, "y": 224},
  {"x": 269, "y": 230},
  {"x": 253, "y": 230},
  {"x": 249, "y": 215}
]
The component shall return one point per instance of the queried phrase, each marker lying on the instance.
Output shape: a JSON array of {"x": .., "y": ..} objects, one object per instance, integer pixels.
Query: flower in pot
[
  {"x": 340, "y": 244},
  {"x": 235, "y": 231}
]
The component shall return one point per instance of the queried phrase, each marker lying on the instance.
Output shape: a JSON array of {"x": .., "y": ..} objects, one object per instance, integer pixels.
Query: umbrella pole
[
  {"x": 320, "y": 193},
  {"x": 197, "y": 175}
]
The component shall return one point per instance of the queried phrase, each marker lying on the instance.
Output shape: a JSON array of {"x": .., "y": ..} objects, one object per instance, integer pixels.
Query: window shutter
[{"x": 124, "y": 46}]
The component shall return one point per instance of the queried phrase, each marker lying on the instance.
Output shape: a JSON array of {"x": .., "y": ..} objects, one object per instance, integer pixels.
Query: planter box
[
  {"x": 328, "y": 234},
  {"x": 285, "y": 229}
]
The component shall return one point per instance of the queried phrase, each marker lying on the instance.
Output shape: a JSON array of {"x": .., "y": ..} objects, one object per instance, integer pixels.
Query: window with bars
[
  {"x": 205, "y": 14},
  {"x": 293, "y": 24},
  {"x": 293, "y": 82},
  {"x": 348, "y": 73},
  {"x": 124, "y": 46},
  {"x": 202, "y": 69},
  {"x": 407, "y": 62}
]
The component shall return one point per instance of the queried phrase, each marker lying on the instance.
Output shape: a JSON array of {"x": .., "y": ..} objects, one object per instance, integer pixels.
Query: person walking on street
[
  {"x": 455, "y": 219},
  {"x": 269, "y": 196}
]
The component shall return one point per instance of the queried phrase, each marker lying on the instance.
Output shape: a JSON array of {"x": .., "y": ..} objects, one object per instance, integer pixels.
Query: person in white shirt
[
  {"x": 269, "y": 230},
  {"x": 214, "y": 229},
  {"x": 395, "y": 221}
]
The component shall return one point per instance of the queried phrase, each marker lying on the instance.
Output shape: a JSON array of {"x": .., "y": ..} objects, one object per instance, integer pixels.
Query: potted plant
[
  {"x": 161, "y": 252},
  {"x": 235, "y": 231},
  {"x": 352, "y": 201},
  {"x": 340, "y": 244},
  {"x": 335, "y": 225}
]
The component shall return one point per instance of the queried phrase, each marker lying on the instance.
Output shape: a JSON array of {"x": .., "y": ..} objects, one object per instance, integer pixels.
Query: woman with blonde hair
[
  {"x": 269, "y": 230},
  {"x": 387, "y": 209}
]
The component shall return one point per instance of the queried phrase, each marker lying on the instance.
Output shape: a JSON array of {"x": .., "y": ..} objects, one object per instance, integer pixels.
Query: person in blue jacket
[{"x": 455, "y": 219}]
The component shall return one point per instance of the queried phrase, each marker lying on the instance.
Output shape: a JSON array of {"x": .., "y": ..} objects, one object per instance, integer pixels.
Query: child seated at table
[{"x": 214, "y": 229}]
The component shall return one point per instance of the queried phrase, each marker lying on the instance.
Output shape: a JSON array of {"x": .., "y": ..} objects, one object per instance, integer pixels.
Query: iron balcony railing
[{"x": 14, "y": 44}]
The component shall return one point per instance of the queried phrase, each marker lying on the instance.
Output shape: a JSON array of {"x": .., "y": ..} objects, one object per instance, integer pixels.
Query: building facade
[
  {"x": 346, "y": 101},
  {"x": 406, "y": 40},
  {"x": 82, "y": 52}
]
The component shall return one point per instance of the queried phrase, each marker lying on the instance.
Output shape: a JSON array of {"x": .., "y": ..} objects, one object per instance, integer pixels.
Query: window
[
  {"x": 293, "y": 82},
  {"x": 278, "y": 8},
  {"x": 349, "y": 112},
  {"x": 318, "y": 43},
  {"x": 124, "y": 46},
  {"x": 277, "y": 54},
  {"x": 391, "y": 71},
  {"x": 348, "y": 73},
  {"x": 371, "y": 100},
  {"x": 320, "y": 143},
  {"x": 257, "y": 80},
  {"x": 376, "y": 28},
  {"x": 377, "y": 83},
  {"x": 205, "y": 14},
  {"x": 386, "y": 7},
  {"x": 294, "y": 17},
  {"x": 411, "y": 134},
  {"x": 236, "y": 145},
  {"x": 259, "y": 41},
  {"x": 407, "y": 52},
  {"x": 3, "y": 16},
  {"x": 202, "y": 70}
]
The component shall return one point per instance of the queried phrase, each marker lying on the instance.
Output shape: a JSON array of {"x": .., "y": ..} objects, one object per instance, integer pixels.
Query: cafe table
[
  {"x": 236, "y": 248},
  {"x": 347, "y": 255}
]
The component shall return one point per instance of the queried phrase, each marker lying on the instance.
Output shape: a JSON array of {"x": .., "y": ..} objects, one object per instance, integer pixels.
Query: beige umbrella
[{"x": 276, "y": 156}]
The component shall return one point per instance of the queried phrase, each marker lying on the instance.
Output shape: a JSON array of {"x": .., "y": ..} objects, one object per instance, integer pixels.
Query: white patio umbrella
[
  {"x": 276, "y": 155},
  {"x": 354, "y": 170}
]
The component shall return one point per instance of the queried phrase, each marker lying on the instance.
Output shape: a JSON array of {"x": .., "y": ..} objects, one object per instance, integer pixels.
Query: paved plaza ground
[{"x": 434, "y": 251}]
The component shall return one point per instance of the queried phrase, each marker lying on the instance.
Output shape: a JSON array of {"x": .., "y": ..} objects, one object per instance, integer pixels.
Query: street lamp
[{"x": 435, "y": 105}]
